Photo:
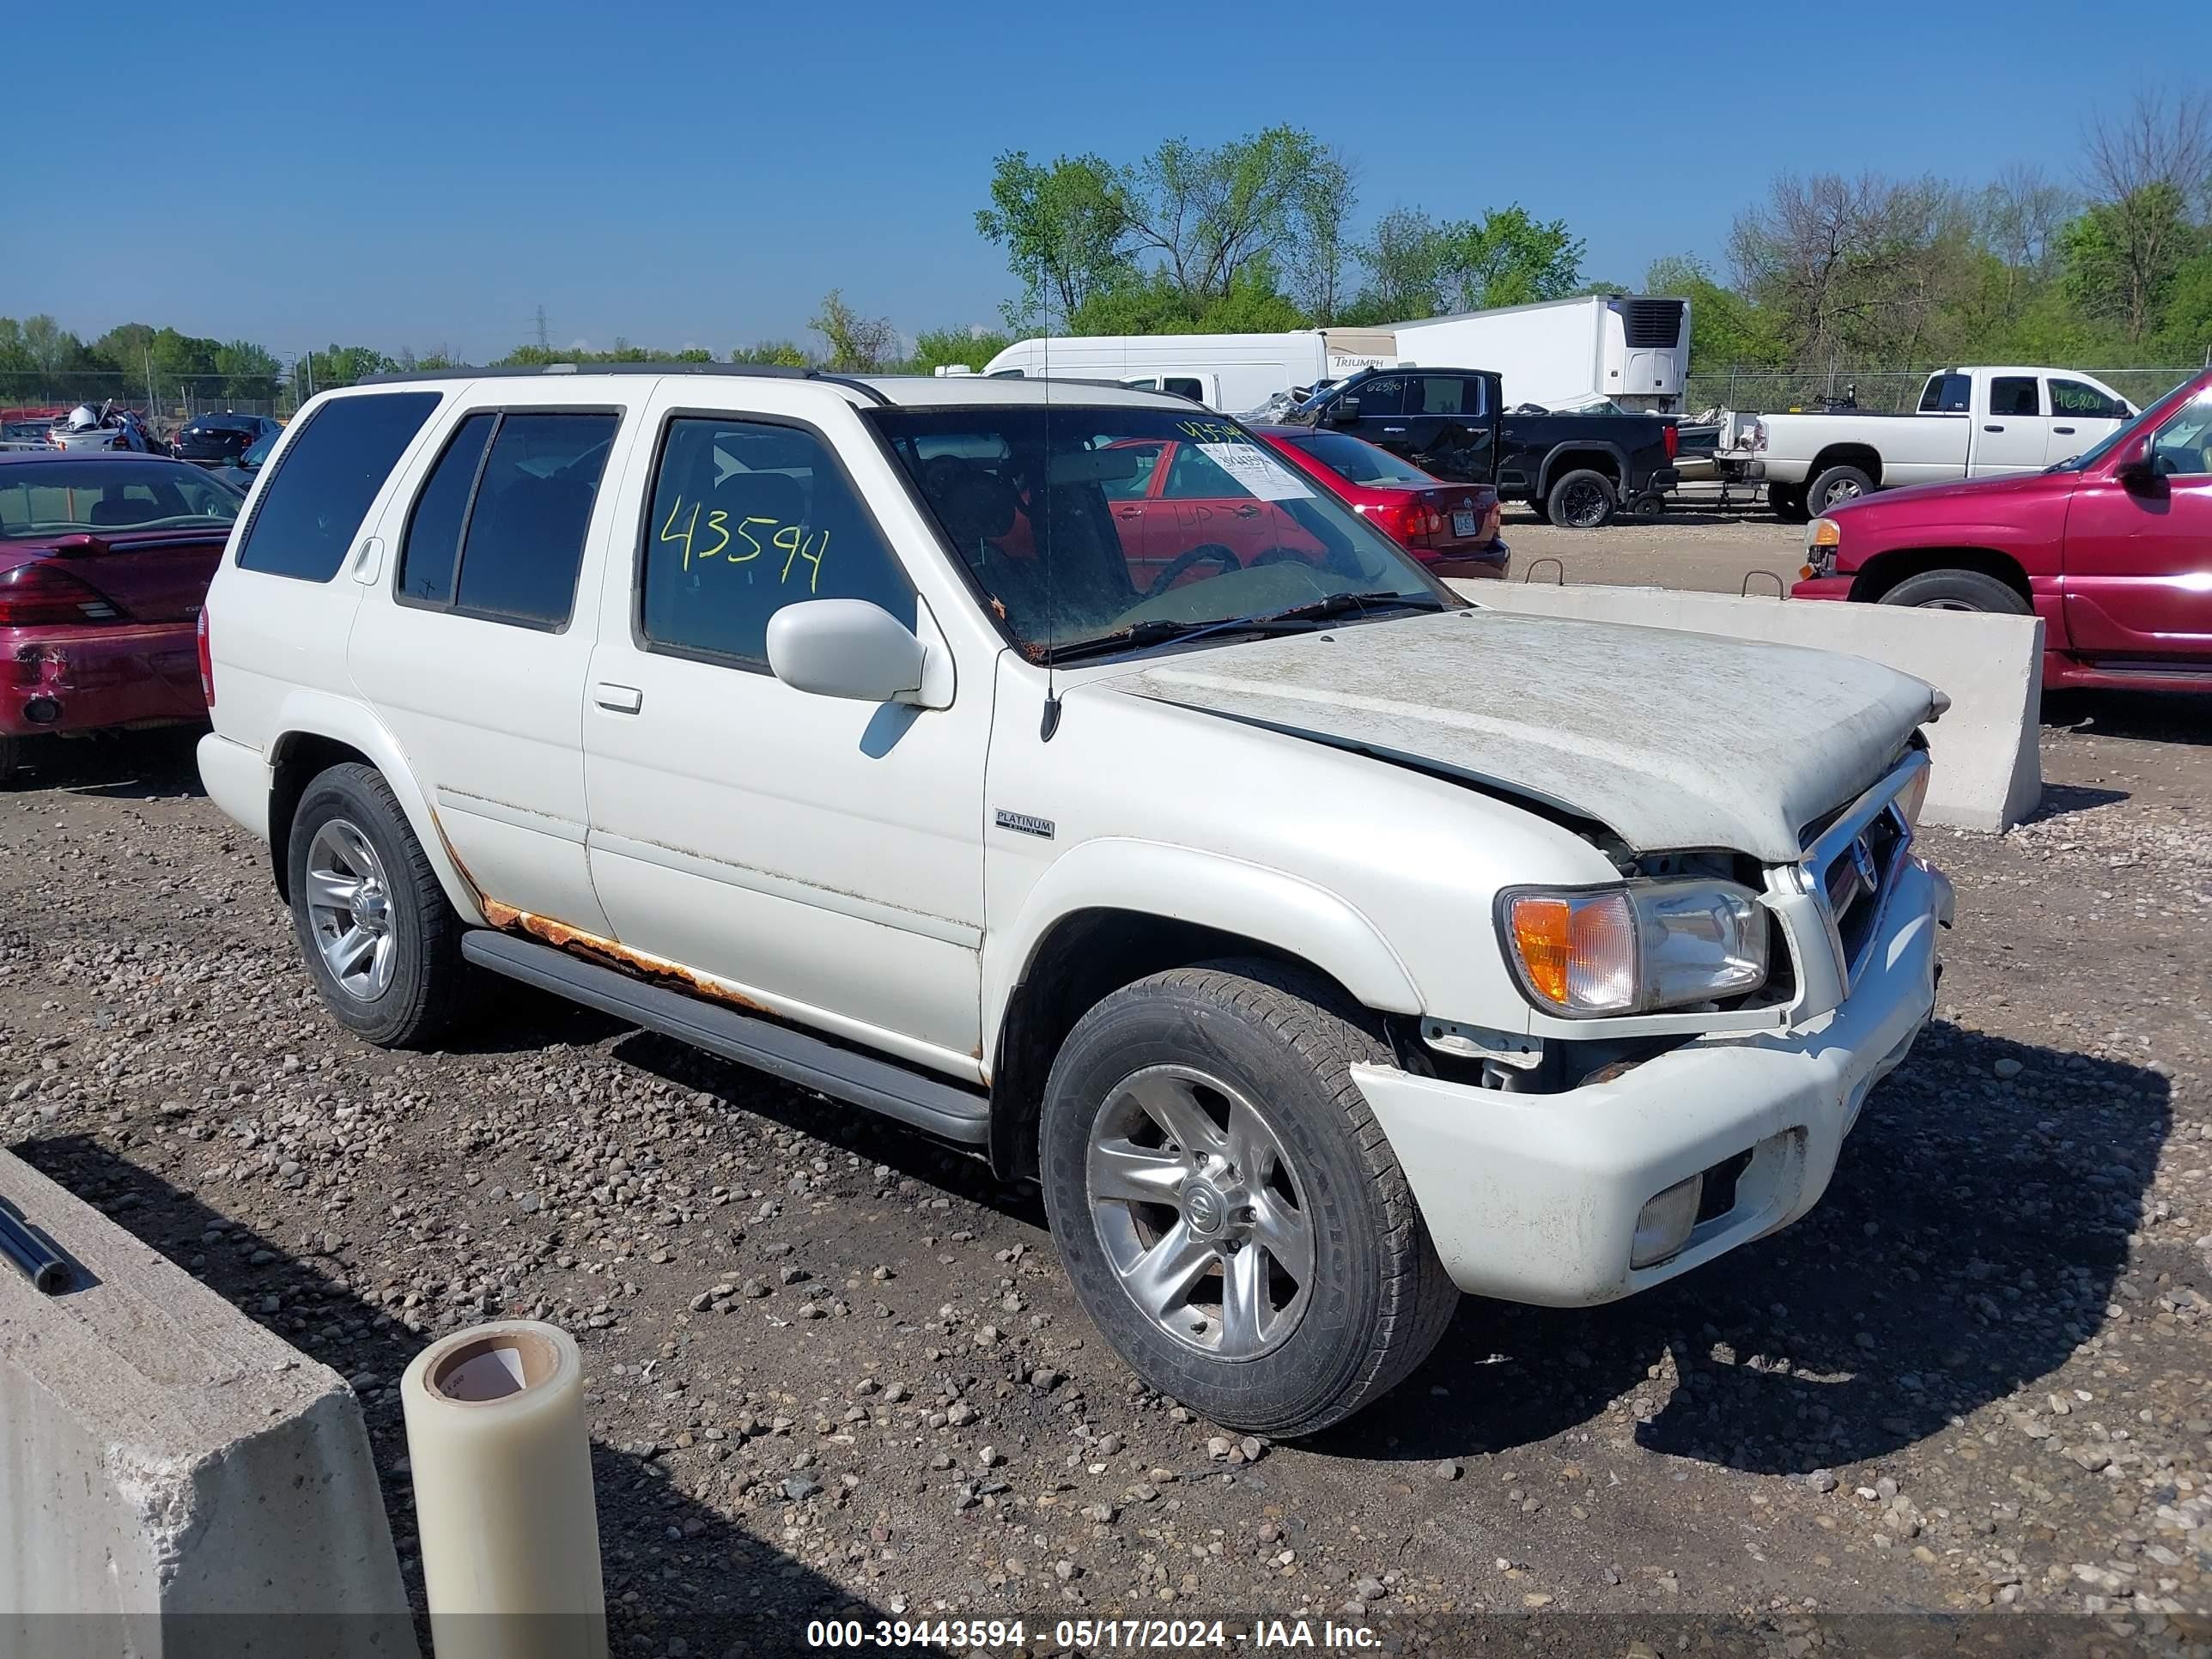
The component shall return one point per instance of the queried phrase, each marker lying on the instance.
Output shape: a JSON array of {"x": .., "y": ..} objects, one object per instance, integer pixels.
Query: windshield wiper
[{"x": 1298, "y": 619}]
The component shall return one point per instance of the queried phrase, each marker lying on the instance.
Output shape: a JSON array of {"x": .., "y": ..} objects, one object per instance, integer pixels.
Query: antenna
[{"x": 544, "y": 342}]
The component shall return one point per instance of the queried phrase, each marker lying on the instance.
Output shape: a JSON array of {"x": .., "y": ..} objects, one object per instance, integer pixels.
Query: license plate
[{"x": 1464, "y": 524}]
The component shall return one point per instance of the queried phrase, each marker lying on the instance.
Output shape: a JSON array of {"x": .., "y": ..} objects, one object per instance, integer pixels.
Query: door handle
[
  {"x": 2067, "y": 430},
  {"x": 617, "y": 699},
  {"x": 1393, "y": 429},
  {"x": 1130, "y": 512},
  {"x": 1992, "y": 429},
  {"x": 1247, "y": 512}
]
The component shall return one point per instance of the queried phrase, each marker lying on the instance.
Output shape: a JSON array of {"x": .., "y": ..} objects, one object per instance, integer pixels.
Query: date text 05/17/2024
[{"x": 1092, "y": 1635}]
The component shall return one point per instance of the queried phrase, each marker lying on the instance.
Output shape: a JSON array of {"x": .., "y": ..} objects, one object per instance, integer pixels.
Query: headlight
[
  {"x": 1633, "y": 949},
  {"x": 1822, "y": 537}
]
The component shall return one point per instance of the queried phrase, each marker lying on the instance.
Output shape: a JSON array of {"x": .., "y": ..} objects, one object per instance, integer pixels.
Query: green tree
[
  {"x": 858, "y": 344},
  {"x": 778, "y": 354},
  {"x": 1417, "y": 267},
  {"x": 2120, "y": 259},
  {"x": 1211, "y": 216},
  {"x": 339, "y": 365},
  {"x": 939, "y": 347},
  {"x": 1063, "y": 228},
  {"x": 249, "y": 371}
]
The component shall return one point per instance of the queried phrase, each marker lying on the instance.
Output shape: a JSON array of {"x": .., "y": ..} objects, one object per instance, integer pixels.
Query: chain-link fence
[
  {"x": 1888, "y": 390},
  {"x": 174, "y": 398}
]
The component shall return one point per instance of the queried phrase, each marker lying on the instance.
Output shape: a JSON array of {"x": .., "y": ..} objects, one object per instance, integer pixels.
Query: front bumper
[
  {"x": 84, "y": 679},
  {"x": 1534, "y": 1197},
  {"x": 1823, "y": 587}
]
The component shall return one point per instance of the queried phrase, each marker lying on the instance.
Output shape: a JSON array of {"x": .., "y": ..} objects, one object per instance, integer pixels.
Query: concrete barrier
[
  {"x": 1988, "y": 764},
  {"x": 174, "y": 1477}
]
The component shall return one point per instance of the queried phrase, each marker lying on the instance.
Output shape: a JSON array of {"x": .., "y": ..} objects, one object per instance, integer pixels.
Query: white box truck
[
  {"x": 1232, "y": 373},
  {"x": 1565, "y": 354}
]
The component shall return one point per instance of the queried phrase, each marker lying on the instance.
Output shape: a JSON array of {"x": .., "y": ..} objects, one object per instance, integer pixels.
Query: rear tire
[
  {"x": 1958, "y": 590},
  {"x": 1581, "y": 499},
  {"x": 1788, "y": 502},
  {"x": 1835, "y": 486},
  {"x": 396, "y": 931},
  {"x": 1277, "y": 1169}
]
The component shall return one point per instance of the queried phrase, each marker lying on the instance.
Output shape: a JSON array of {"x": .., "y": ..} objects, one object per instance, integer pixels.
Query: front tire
[
  {"x": 1958, "y": 590},
  {"x": 382, "y": 943},
  {"x": 1581, "y": 499},
  {"x": 1229, "y": 1211}
]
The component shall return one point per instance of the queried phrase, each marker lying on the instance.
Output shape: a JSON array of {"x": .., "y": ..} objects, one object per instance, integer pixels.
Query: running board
[{"x": 942, "y": 1109}]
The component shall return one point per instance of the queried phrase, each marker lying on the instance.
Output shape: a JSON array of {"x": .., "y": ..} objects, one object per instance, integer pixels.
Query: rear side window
[
  {"x": 498, "y": 531},
  {"x": 1947, "y": 394},
  {"x": 2015, "y": 394},
  {"x": 312, "y": 508},
  {"x": 1450, "y": 394},
  {"x": 747, "y": 518}
]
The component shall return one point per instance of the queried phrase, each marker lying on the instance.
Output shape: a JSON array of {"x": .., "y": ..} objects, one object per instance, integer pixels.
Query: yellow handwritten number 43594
[{"x": 789, "y": 540}]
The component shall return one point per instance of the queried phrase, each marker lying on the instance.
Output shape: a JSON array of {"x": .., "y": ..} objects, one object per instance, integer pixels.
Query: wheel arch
[
  {"x": 1865, "y": 457},
  {"x": 1885, "y": 571},
  {"x": 316, "y": 732},
  {"x": 1597, "y": 454},
  {"x": 1096, "y": 923}
]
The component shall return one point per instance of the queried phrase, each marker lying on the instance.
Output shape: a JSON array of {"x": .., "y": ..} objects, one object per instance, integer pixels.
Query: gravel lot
[{"x": 832, "y": 1366}]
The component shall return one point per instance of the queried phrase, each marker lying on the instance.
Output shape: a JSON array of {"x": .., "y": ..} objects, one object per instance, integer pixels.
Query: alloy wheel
[
  {"x": 1202, "y": 1212},
  {"x": 350, "y": 908}
]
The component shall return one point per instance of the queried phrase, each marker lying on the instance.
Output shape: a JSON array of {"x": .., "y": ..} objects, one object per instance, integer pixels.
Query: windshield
[
  {"x": 1084, "y": 525},
  {"x": 1361, "y": 462},
  {"x": 66, "y": 497}
]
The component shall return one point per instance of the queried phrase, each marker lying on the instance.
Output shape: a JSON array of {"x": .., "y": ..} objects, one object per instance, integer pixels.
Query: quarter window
[
  {"x": 498, "y": 531},
  {"x": 309, "y": 511},
  {"x": 747, "y": 518}
]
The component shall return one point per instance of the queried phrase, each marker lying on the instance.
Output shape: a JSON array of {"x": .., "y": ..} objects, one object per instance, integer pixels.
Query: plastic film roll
[{"x": 503, "y": 1494}]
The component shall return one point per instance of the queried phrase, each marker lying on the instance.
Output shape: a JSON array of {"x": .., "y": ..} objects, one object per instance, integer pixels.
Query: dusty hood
[{"x": 1672, "y": 740}]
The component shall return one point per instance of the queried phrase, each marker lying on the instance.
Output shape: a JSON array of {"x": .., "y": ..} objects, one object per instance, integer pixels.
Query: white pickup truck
[
  {"x": 1971, "y": 424},
  {"x": 1322, "y": 945}
]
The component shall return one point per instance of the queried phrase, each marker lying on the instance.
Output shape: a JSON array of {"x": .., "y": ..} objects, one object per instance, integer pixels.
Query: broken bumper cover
[
  {"x": 88, "y": 679},
  {"x": 1536, "y": 1198}
]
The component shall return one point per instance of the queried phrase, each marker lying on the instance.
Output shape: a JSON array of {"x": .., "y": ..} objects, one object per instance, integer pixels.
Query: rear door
[
  {"x": 475, "y": 649},
  {"x": 2138, "y": 562},
  {"x": 2013, "y": 430}
]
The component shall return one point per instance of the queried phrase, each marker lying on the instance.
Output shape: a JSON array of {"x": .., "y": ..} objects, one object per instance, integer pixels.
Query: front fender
[
  {"x": 305, "y": 711},
  {"x": 1211, "y": 890}
]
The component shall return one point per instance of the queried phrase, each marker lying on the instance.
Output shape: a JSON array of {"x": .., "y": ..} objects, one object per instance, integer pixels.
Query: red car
[
  {"x": 1452, "y": 529},
  {"x": 2113, "y": 549},
  {"x": 105, "y": 562}
]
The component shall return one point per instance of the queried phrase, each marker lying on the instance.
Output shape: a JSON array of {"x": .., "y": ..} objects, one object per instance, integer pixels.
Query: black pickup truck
[{"x": 1576, "y": 471}]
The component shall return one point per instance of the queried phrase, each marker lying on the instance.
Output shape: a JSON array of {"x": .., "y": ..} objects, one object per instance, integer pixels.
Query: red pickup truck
[{"x": 2113, "y": 549}]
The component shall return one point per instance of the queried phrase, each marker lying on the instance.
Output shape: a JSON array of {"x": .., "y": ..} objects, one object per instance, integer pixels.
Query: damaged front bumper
[{"x": 1539, "y": 1197}]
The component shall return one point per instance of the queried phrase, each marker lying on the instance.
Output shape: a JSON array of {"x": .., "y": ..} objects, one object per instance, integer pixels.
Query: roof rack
[{"x": 762, "y": 371}]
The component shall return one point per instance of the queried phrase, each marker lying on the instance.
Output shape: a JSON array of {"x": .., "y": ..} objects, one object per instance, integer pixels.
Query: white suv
[{"x": 1052, "y": 769}]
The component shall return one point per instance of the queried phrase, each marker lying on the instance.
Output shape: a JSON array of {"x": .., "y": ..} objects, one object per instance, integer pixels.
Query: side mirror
[
  {"x": 845, "y": 648},
  {"x": 80, "y": 546},
  {"x": 1344, "y": 411},
  {"x": 2134, "y": 467}
]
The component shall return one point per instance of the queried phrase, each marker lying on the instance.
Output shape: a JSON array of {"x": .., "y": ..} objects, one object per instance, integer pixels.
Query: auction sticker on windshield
[{"x": 1259, "y": 472}]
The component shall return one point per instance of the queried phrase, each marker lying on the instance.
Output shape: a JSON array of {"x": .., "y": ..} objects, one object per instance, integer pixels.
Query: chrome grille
[{"x": 1852, "y": 865}]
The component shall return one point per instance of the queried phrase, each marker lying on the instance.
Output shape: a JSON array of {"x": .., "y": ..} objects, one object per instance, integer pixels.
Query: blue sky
[{"x": 422, "y": 176}]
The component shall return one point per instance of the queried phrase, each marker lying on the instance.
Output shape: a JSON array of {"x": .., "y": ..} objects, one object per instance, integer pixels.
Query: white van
[{"x": 1227, "y": 372}]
